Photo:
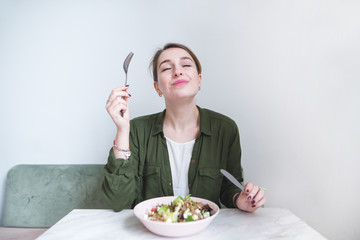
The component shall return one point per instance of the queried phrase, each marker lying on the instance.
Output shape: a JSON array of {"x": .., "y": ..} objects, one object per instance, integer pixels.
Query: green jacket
[{"x": 147, "y": 174}]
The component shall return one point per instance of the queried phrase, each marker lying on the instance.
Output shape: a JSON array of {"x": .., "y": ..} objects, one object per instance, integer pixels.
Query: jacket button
[{"x": 192, "y": 160}]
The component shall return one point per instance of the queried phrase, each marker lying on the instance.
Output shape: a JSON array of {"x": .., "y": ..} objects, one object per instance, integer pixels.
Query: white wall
[{"x": 286, "y": 71}]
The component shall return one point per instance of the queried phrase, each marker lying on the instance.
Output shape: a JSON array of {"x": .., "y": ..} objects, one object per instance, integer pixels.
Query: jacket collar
[{"x": 205, "y": 127}]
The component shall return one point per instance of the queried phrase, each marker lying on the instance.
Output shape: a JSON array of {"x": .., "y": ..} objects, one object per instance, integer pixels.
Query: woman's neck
[{"x": 182, "y": 121}]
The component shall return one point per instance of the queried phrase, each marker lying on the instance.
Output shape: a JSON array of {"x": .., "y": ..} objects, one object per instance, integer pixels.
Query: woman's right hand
[{"x": 117, "y": 107}]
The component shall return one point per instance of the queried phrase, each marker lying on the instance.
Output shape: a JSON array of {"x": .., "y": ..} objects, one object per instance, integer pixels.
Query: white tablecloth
[{"x": 265, "y": 223}]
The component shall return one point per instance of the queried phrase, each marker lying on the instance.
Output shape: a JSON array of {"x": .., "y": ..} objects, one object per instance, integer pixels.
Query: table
[
  {"x": 7, "y": 233},
  {"x": 265, "y": 223}
]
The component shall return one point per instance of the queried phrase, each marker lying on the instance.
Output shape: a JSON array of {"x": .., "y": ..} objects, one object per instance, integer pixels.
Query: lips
[{"x": 180, "y": 82}]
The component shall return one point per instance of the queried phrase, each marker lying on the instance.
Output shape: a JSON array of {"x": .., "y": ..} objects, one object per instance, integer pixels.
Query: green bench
[{"x": 37, "y": 196}]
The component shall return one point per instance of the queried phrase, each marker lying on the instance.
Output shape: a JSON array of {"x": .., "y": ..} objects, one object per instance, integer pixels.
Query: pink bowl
[{"x": 173, "y": 229}]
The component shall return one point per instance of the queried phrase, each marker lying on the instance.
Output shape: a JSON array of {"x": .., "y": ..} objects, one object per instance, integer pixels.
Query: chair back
[{"x": 40, "y": 195}]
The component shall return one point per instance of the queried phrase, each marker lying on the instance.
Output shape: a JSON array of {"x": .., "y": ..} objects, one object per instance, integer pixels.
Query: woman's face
[{"x": 177, "y": 75}]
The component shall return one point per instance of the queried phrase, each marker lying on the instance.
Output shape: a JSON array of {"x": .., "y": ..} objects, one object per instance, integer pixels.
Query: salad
[{"x": 179, "y": 210}]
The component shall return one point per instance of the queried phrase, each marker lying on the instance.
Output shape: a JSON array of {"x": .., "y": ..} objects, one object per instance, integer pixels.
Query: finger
[
  {"x": 248, "y": 187},
  {"x": 120, "y": 106},
  {"x": 121, "y": 88},
  {"x": 258, "y": 204},
  {"x": 115, "y": 97},
  {"x": 117, "y": 100},
  {"x": 253, "y": 192},
  {"x": 126, "y": 113},
  {"x": 119, "y": 116},
  {"x": 110, "y": 104},
  {"x": 259, "y": 195},
  {"x": 116, "y": 107},
  {"x": 118, "y": 92}
]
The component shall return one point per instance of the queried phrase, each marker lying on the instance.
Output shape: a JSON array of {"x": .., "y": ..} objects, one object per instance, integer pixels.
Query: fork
[{"x": 126, "y": 65}]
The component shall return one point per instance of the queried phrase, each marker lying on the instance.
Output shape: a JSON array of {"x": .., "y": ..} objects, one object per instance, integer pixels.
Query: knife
[{"x": 232, "y": 179}]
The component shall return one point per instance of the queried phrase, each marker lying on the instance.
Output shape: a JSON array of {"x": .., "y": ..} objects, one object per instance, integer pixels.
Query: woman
[{"x": 176, "y": 152}]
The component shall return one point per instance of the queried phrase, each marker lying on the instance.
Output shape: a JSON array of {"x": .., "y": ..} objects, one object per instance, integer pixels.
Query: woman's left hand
[{"x": 251, "y": 198}]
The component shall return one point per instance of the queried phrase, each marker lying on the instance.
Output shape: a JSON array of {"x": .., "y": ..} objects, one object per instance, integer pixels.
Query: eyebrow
[{"x": 168, "y": 60}]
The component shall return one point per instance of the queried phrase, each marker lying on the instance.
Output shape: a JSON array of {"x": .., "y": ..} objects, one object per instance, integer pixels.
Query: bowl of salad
[{"x": 176, "y": 216}]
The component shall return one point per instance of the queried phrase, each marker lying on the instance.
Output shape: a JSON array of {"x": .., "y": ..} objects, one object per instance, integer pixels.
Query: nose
[{"x": 177, "y": 72}]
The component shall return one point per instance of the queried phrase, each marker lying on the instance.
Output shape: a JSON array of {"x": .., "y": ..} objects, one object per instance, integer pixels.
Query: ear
[
  {"x": 156, "y": 86},
  {"x": 200, "y": 77}
]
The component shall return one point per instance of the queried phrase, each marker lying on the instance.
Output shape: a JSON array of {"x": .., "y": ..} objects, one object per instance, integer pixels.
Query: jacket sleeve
[
  {"x": 120, "y": 182},
  {"x": 233, "y": 166}
]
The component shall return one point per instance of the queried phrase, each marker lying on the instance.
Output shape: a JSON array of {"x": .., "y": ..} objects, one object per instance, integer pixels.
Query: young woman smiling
[{"x": 179, "y": 151}]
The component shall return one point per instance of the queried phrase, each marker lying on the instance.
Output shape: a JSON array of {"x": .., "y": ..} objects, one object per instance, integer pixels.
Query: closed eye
[
  {"x": 187, "y": 65},
  {"x": 165, "y": 69}
]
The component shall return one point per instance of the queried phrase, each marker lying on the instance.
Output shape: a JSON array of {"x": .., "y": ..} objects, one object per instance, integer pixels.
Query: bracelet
[
  {"x": 235, "y": 199},
  {"x": 127, "y": 152}
]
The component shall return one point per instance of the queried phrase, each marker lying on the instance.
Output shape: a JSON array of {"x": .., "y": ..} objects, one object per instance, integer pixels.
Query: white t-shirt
[{"x": 179, "y": 156}]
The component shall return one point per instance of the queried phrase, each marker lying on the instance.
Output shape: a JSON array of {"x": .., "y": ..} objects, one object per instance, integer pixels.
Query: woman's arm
[
  {"x": 120, "y": 182},
  {"x": 120, "y": 172},
  {"x": 117, "y": 107},
  {"x": 233, "y": 166},
  {"x": 253, "y": 196}
]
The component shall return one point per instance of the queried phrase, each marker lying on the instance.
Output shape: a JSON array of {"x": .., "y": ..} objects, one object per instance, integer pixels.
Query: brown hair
[{"x": 155, "y": 59}]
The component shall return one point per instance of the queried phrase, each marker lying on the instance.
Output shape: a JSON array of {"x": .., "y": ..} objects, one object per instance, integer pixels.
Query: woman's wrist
[
  {"x": 123, "y": 130},
  {"x": 236, "y": 196},
  {"x": 122, "y": 139},
  {"x": 121, "y": 145},
  {"x": 126, "y": 153}
]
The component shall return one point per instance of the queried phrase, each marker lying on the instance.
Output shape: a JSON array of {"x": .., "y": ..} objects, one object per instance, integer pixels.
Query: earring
[
  {"x": 199, "y": 88},
  {"x": 160, "y": 94}
]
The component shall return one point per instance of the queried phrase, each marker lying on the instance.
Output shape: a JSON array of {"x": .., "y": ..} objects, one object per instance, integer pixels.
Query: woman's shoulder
[
  {"x": 216, "y": 115},
  {"x": 216, "y": 118}
]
